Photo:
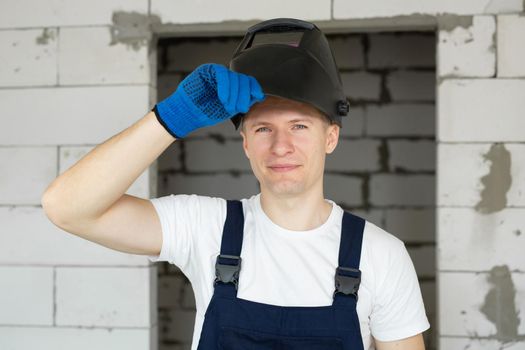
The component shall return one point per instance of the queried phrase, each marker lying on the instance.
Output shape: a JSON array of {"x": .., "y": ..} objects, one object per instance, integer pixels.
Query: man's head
[{"x": 286, "y": 142}]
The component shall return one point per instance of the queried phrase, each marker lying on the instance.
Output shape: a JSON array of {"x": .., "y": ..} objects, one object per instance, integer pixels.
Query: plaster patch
[
  {"x": 497, "y": 182},
  {"x": 47, "y": 35},
  {"x": 450, "y": 22},
  {"x": 132, "y": 29},
  {"x": 500, "y": 306}
]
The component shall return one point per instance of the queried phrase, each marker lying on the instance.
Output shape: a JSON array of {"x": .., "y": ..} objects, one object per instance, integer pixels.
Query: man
[{"x": 285, "y": 268}]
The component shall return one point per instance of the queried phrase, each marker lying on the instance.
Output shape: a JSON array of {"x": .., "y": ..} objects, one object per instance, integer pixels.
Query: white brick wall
[
  {"x": 380, "y": 8},
  {"x": 56, "y": 338},
  {"x": 480, "y": 183},
  {"x": 20, "y": 304},
  {"x": 66, "y": 85},
  {"x": 466, "y": 171},
  {"x": 467, "y": 52},
  {"x": 29, "y": 57},
  {"x": 46, "y": 13},
  {"x": 511, "y": 51},
  {"x": 104, "y": 297},
  {"x": 186, "y": 11},
  {"x": 465, "y": 117},
  {"x": 89, "y": 56}
]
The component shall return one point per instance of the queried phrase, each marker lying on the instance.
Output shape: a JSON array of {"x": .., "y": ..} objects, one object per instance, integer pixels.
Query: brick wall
[
  {"x": 481, "y": 177},
  {"x": 383, "y": 168},
  {"x": 67, "y": 84}
]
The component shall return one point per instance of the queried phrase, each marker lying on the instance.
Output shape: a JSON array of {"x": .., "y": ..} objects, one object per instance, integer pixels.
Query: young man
[{"x": 285, "y": 268}]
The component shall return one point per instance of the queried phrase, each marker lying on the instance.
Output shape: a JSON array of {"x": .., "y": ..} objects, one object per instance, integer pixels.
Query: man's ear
[{"x": 332, "y": 137}]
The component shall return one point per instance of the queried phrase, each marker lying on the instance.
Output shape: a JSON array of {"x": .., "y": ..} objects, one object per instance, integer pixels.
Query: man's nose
[{"x": 282, "y": 142}]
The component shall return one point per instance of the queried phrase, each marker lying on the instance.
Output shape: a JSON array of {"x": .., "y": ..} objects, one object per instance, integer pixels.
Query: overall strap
[
  {"x": 348, "y": 275},
  {"x": 228, "y": 264}
]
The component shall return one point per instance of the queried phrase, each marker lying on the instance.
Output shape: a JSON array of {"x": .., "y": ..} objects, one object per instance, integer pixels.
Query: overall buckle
[
  {"x": 347, "y": 281},
  {"x": 227, "y": 273}
]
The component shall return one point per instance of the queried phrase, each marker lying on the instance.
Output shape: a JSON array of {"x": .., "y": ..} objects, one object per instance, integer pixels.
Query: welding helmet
[{"x": 291, "y": 58}]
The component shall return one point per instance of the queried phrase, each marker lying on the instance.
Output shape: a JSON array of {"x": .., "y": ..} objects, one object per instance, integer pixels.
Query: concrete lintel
[{"x": 237, "y": 28}]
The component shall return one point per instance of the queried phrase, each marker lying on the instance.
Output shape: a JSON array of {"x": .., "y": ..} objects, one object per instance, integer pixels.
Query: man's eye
[
  {"x": 261, "y": 129},
  {"x": 302, "y": 126}
]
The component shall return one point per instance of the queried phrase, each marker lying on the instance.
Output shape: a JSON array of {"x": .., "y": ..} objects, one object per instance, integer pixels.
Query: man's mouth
[{"x": 281, "y": 168}]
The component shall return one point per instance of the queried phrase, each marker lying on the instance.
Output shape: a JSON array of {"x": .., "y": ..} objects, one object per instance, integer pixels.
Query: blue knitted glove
[{"x": 209, "y": 95}]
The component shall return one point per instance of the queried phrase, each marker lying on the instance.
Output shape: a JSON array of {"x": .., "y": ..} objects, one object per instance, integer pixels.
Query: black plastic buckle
[
  {"x": 227, "y": 273},
  {"x": 343, "y": 107},
  {"x": 347, "y": 281}
]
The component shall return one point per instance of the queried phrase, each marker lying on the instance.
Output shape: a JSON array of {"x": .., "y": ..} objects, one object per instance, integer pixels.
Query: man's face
[{"x": 286, "y": 142}]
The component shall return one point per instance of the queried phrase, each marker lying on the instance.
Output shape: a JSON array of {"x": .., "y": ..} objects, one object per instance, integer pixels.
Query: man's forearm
[{"x": 88, "y": 188}]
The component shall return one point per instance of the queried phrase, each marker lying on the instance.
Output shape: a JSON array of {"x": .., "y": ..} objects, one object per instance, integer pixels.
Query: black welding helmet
[{"x": 291, "y": 58}]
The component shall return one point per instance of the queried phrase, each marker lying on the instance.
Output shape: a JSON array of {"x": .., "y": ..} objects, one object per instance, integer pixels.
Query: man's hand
[
  {"x": 411, "y": 343},
  {"x": 209, "y": 95}
]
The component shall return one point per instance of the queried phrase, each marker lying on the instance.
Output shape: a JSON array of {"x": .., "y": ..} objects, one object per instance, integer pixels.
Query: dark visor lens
[{"x": 287, "y": 38}]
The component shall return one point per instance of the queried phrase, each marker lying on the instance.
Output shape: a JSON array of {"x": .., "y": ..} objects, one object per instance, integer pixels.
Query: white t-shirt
[{"x": 292, "y": 268}]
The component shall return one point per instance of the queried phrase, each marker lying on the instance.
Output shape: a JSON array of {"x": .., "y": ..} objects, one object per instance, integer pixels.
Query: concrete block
[
  {"x": 178, "y": 326},
  {"x": 353, "y": 123},
  {"x": 395, "y": 50},
  {"x": 404, "y": 85},
  {"x": 488, "y": 177},
  {"x": 170, "y": 291},
  {"x": 375, "y": 216},
  {"x": 348, "y": 50},
  {"x": 167, "y": 84},
  {"x": 183, "y": 55},
  {"x": 105, "y": 296},
  {"x": 32, "y": 239},
  {"x": 401, "y": 120},
  {"x": 511, "y": 51},
  {"x": 89, "y": 56},
  {"x": 343, "y": 189},
  {"x": 215, "y": 185},
  {"x": 408, "y": 155},
  {"x": 361, "y": 85},
  {"x": 71, "y": 155},
  {"x": 210, "y": 155},
  {"x": 409, "y": 190},
  {"x": 46, "y": 13},
  {"x": 29, "y": 172},
  {"x": 489, "y": 304},
  {"x": 470, "y": 241},
  {"x": 428, "y": 291},
  {"x": 181, "y": 12},
  {"x": 465, "y": 117},
  {"x": 354, "y": 155},
  {"x": 346, "y": 9},
  {"x": 21, "y": 305},
  {"x": 479, "y": 344},
  {"x": 411, "y": 225},
  {"x": 29, "y": 57},
  {"x": 188, "y": 296},
  {"x": 466, "y": 46},
  {"x": 58, "y": 338},
  {"x": 72, "y": 115},
  {"x": 424, "y": 260},
  {"x": 171, "y": 159},
  {"x": 220, "y": 131}
]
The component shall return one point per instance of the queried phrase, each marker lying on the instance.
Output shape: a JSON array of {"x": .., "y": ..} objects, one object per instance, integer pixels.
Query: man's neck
[{"x": 298, "y": 213}]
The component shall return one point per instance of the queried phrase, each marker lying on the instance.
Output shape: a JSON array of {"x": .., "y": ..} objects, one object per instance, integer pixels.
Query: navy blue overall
[{"x": 231, "y": 323}]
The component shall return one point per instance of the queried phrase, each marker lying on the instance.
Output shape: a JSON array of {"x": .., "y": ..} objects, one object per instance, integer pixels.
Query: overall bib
[{"x": 231, "y": 323}]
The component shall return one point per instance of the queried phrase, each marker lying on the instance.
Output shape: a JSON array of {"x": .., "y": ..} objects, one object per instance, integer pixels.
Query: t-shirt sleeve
[
  {"x": 398, "y": 311},
  {"x": 183, "y": 218}
]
